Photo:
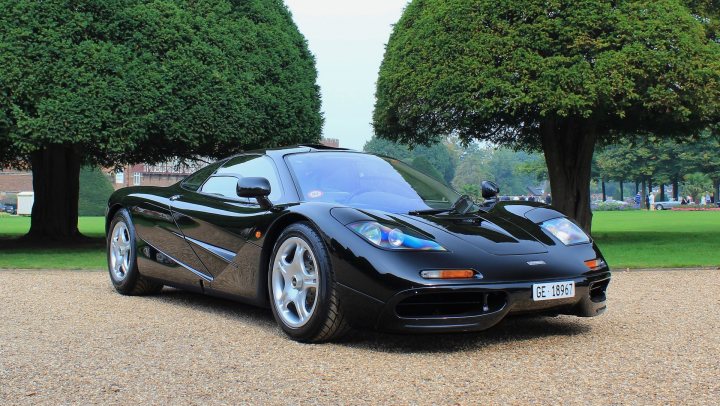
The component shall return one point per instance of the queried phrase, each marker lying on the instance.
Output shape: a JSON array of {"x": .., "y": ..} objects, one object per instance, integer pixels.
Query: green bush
[
  {"x": 612, "y": 205},
  {"x": 95, "y": 189}
]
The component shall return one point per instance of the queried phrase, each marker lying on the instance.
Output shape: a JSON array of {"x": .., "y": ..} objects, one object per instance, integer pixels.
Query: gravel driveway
[{"x": 66, "y": 337}]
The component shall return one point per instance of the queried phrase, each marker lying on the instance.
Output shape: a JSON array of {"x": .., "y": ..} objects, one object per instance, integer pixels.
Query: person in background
[
  {"x": 531, "y": 198},
  {"x": 651, "y": 197},
  {"x": 702, "y": 199},
  {"x": 637, "y": 200},
  {"x": 548, "y": 199},
  {"x": 707, "y": 198},
  {"x": 683, "y": 200},
  {"x": 647, "y": 201}
]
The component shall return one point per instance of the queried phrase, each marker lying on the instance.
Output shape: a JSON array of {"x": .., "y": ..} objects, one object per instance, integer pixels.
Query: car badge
[{"x": 533, "y": 263}]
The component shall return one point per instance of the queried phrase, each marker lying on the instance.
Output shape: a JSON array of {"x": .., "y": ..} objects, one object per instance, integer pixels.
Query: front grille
[
  {"x": 597, "y": 290},
  {"x": 450, "y": 304}
]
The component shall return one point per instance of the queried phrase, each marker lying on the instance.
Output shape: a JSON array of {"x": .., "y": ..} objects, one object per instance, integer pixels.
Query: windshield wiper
[{"x": 461, "y": 206}]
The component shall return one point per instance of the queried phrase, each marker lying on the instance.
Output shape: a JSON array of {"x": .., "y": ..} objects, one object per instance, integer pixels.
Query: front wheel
[
  {"x": 301, "y": 283},
  {"x": 659, "y": 207},
  {"x": 122, "y": 258}
]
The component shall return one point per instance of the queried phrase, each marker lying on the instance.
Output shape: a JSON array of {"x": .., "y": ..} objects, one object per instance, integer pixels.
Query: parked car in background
[
  {"x": 666, "y": 204},
  {"x": 9, "y": 208}
]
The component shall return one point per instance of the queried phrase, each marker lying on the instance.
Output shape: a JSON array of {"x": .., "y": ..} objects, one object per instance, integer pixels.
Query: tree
[
  {"x": 702, "y": 155},
  {"x": 557, "y": 76},
  {"x": 437, "y": 154},
  {"x": 423, "y": 165},
  {"x": 106, "y": 82}
]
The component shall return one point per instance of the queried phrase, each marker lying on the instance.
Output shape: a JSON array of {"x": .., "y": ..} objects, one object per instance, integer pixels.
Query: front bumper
[{"x": 480, "y": 306}]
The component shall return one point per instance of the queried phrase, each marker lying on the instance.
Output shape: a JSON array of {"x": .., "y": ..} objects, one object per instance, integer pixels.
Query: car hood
[
  {"x": 486, "y": 231},
  {"x": 498, "y": 232}
]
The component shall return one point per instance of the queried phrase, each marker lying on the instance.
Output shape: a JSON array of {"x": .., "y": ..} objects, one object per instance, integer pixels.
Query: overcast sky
[{"x": 348, "y": 40}]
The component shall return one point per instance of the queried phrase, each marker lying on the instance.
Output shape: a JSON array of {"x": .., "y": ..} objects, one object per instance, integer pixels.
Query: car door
[
  {"x": 217, "y": 223},
  {"x": 168, "y": 256}
]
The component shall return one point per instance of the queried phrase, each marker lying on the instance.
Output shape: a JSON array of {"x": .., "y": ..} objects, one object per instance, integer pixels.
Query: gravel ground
[{"x": 66, "y": 337}]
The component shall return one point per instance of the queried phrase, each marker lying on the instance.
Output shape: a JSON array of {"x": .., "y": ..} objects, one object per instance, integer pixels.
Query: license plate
[{"x": 553, "y": 290}]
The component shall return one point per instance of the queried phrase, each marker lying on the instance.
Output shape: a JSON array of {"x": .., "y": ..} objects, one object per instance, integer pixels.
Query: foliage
[
  {"x": 509, "y": 169},
  {"x": 697, "y": 185},
  {"x": 95, "y": 190},
  {"x": 423, "y": 165},
  {"x": 438, "y": 154},
  {"x": 612, "y": 205},
  {"x": 473, "y": 191},
  {"x": 617, "y": 63},
  {"x": 134, "y": 81},
  {"x": 556, "y": 75}
]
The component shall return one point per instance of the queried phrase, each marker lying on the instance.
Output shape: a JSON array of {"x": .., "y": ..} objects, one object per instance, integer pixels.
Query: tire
[
  {"x": 303, "y": 294},
  {"x": 659, "y": 207},
  {"x": 122, "y": 258}
]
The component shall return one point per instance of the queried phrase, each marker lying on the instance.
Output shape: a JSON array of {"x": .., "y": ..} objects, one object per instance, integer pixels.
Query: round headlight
[
  {"x": 372, "y": 232},
  {"x": 396, "y": 237}
]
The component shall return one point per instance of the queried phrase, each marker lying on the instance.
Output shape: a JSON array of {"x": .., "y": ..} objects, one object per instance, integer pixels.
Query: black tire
[
  {"x": 659, "y": 207},
  {"x": 133, "y": 283},
  {"x": 327, "y": 322}
]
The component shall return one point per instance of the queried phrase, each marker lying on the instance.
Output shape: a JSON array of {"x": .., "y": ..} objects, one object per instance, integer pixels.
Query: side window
[
  {"x": 249, "y": 166},
  {"x": 221, "y": 186},
  {"x": 194, "y": 181}
]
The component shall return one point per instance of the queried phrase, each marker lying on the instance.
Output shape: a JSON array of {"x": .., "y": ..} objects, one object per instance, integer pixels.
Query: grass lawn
[
  {"x": 90, "y": 257},
  {"x": 658, "y": 239},
  {"x": 633, "y": 239}
]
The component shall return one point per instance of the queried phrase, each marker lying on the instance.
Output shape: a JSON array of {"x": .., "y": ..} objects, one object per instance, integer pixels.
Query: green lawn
[
  {"x": 92, "y": 257},
  {"x": 633, "y": 239},
  {"x": 642, "y": 239}
]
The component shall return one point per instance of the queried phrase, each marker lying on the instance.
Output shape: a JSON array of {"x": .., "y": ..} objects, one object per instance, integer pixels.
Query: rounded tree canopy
[
  {"x": 131, "y": 81},
  {"x": 494, "y": 70}
]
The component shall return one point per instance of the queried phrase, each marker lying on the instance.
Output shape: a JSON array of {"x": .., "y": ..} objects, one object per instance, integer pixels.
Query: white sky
[{"x": 348, "y": 40}]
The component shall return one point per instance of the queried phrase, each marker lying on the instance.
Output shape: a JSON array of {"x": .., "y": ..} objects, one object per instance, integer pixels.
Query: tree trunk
[
  {"x": 622, "y": 192},
  {"x": 643, "y": 199},
  {"x": 637, "y": 187},
  {"x": 604, "y": 196},
  {"x": 716, "y": 190},
  {"x": 676, "y": 188},
  {"x": 568, "y": 147},
  {"x": 662, "y": 192},
  {"x": 56, "y": 182}
]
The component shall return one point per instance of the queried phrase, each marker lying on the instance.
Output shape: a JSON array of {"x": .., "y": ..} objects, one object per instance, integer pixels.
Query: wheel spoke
[
  {"x": 300, "y": 305},
  {"x": 285, "y": 299},
  {"x": 310, "y": 282}
]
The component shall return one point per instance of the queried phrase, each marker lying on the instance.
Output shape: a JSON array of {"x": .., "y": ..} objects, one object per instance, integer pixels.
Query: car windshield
[{"x": 368, "y": 182}]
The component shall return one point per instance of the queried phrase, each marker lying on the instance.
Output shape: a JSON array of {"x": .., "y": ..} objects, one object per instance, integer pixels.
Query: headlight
[
  {"x": 393, "y": 238},
  {"x": 565, "y": 231}
]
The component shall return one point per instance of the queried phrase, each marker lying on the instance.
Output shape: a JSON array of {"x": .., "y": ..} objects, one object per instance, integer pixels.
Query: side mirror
[
  {"x": 258, "y": 188},
  {"x": 489, "y": 189}
]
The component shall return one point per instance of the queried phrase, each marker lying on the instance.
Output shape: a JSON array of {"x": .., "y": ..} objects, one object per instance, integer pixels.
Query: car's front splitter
[{"x": 480, "y": 306}]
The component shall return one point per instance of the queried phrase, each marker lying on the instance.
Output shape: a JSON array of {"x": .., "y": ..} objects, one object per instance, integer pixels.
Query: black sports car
[{"x": 331, "y": 238}]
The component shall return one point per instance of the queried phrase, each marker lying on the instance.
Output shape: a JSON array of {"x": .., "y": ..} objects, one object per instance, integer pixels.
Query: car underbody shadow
[{"x": 512, "y": 329}]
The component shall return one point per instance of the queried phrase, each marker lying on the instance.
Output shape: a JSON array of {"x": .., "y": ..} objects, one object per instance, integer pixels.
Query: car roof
[{"x": 295, "y": 149}]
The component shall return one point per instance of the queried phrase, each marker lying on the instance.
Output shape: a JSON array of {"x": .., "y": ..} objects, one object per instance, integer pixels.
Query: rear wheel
[
  {"x": 122, "y": 258},
  {"x": 659, "y": 207},
  {"x": 301, "y": 283}
]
